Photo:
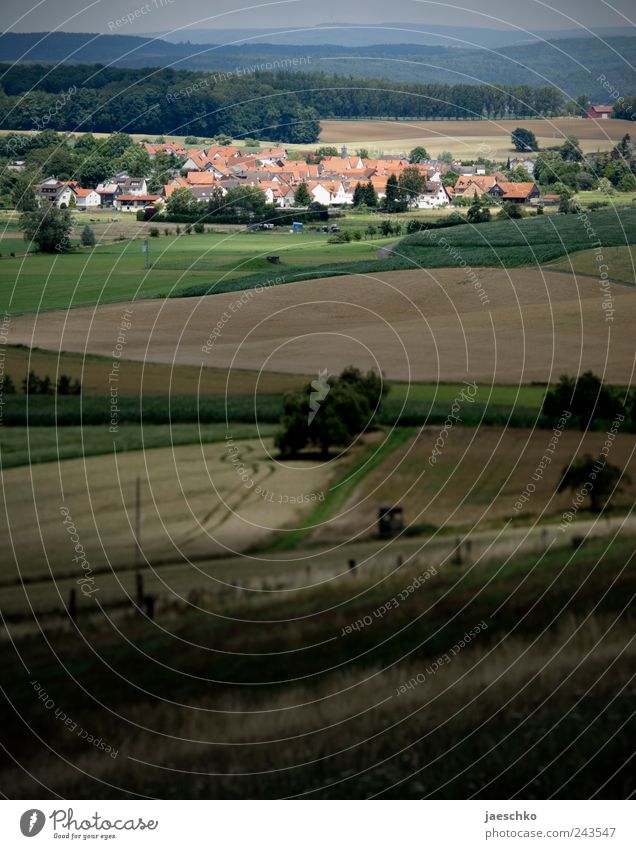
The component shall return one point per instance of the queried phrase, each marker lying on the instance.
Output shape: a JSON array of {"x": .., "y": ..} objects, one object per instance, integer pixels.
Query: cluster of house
[
  {"x": 331, "y": 182},
  {"x": 121, "y": 192}
]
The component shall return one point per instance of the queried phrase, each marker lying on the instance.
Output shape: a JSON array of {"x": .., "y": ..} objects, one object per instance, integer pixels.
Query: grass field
[
  {"x": 445, "y": 393},
  {"x": 469, "y": 139},
  {"x": 493, "y": 721},
  {"x": 115, "y": 271},
  {"x": 230, "y": 261},
  {"x": 497, "y": 243},
  {"x": 426, "y": 325},
  {"x": 23, "y": 446},
  {"x": 617, "y": 263}
]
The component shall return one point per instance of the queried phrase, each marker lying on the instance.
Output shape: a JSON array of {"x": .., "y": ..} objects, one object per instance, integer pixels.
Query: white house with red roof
[{"x": 86, "y": 198}]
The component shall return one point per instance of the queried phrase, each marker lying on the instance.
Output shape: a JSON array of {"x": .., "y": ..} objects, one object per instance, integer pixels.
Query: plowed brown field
[{"x": 426, "y": 325}]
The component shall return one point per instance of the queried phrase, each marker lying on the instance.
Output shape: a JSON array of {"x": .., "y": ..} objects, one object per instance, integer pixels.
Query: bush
[
  {"x": 88, "y": 237},
  {"x": 511, "y": 210},
  {"x": 154, "y": 232},
  {"x": 49, "y": 228},
  {"x": 199, "y": 227},
  {"x": 339, "y": 238}
]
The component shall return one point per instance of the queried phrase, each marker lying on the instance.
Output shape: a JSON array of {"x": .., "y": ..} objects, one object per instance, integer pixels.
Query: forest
[
  {"x": 563, "y": 62},
  {"x": 281, "y": 106}
]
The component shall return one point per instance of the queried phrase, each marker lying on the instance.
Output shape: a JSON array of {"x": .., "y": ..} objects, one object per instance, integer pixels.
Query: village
[{"x": 332, "y": 181}]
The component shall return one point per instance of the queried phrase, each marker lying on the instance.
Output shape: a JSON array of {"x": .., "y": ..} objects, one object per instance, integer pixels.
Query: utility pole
[{"x": 138, "y": 579}]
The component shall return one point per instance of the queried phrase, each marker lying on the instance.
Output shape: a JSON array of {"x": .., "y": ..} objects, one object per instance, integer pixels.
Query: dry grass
[
  {"x": 194, "y": 505},
  {"x": 478, "y": 478},
  {"x": 467, "y": 139},
  {"x": 211, "y": 747},
  {"x": 426, "y": 325}
]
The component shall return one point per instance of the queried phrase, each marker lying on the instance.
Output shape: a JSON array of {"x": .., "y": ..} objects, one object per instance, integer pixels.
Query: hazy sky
[{"x": 140, "y": 16}]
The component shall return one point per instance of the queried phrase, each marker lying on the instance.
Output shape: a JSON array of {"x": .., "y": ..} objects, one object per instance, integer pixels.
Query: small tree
[
  {"x": 88, "y": 237},
  {"x": 600, "y": 480},
  {"x": 511, "y": 210},
  {"x": 394, "y": 198},
  {"x": 478, "y": 213},
  {"x": 329, "y": 411},
  {"x": 449, "y": 178},
  {"x": 181, "y": 202},
  {"x": 302, "y": 196},
  {"x": 370, "y": 195},
  {"x": 418, "y": 154},
  {"x": 570, "y": 150},
  {"x": 412, "y": 184},
  {"x": 565, "y": 201},
  {"x": 7, "y": 386},
  {"x": 67, "y": 387},
  {"x": 49, "y": 228},
  {"x": 524, "y": 140},
  {"x": 358, "y": 194},
  {"x": 587, "y": 399}
]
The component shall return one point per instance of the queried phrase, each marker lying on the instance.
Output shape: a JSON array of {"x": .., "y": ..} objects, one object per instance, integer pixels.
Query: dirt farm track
[
  {"x": 463, "y": 138},
  {"x": 425, "y": 325}
]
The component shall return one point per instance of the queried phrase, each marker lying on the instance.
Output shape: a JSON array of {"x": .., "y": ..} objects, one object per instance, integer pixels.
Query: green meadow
[{"x": 115, "y": 270}]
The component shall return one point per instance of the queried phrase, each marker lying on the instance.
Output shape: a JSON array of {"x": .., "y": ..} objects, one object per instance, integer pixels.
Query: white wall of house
[
  {"x": 64, "y": 197},
  {"x": 89, "y": 202},
  {"x": 433, "y": 200},
  {"x": 285, "y": 201},
  {"x": 321, "y": 195}
]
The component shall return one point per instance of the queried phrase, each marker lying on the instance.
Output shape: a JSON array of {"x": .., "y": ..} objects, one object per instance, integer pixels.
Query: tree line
[{"x": 279, "y": 106}]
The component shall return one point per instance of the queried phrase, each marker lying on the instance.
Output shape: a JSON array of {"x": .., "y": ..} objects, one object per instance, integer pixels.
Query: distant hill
[
  {"x": 390, "y": 32},
  {"x": 572, "y": 64}
]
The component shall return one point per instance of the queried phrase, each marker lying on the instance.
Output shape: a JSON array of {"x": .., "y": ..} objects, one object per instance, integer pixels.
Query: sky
[{"x": 134, "y": 17}]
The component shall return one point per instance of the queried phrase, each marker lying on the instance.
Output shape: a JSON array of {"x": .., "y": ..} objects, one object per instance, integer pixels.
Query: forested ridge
[
  {"x": 564, "y": 62},
  {"x": 284, "y": 105}
]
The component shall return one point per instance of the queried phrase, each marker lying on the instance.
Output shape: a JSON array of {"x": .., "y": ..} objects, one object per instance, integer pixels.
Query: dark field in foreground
[{"x": 538, "y": 702}]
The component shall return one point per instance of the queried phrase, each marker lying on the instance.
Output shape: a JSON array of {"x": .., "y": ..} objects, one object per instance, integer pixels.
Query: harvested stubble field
[
  {"x": 196, "y": 501},
  {"x": 136, "y": 378},
  {"x": 470, "y": 139},
  {"x": 420, "y": 325},
  {"x": 479, "y": 478}
]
